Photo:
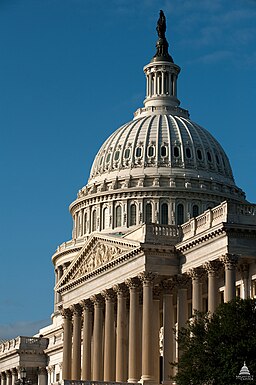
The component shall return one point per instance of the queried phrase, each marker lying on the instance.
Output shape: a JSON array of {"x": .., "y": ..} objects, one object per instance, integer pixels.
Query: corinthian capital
[
  {"x": 229, "y": 260},
  {"x": 76, "y": 309},
  {"x": 147, "y": 277},
  {"x": 133, "y": 283},
  {"x": 108, "y": 294},
  {"x": 66, "y": 313}
]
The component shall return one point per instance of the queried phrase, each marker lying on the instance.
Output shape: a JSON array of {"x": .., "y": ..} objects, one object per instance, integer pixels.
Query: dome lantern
[{"x": 161, "y": 79}]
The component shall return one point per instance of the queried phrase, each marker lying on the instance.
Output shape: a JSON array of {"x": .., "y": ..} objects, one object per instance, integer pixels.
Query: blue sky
[{"x": 70, "y": 74}]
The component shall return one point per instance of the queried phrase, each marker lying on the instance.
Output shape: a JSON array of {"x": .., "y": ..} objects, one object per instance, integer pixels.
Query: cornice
[{"x": 201, "y": 238}]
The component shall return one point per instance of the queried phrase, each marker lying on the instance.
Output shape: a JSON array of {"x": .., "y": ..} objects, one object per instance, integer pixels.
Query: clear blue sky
[{"x": 70, "y": 74}]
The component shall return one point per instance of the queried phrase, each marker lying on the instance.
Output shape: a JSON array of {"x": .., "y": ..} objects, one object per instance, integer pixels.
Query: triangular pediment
[{"x": 98, "y": 254}]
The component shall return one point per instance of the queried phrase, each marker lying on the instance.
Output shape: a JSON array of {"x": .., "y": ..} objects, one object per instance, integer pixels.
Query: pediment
[{"x": 99, "y": 254}]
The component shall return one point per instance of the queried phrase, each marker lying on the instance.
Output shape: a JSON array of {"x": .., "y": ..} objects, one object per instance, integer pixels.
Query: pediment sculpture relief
[{"x": 99, "y": 255}]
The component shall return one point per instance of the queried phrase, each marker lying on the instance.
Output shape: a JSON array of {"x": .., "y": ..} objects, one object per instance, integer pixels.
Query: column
[
  {"x": 59, "y": 275},
  {"x": 182, "y": 300},
  {"x": 8, "y": 377},
  {"x": 244, "y": 271},
  {"x": 181, "y": 282},
  {"x": 212, "y": 268},
  {"x": 133, "y": 369},
  {"x": 3, "y": 378},
  {"x": 230, "y": 262},
  {"x": 109, "y": 340},
  {"x": 169, "y": 336},
  {"x": 87, "y": 340},
  {"x": 76, "y": 356},
  {"x": 155, "y": 82},
  {"x": 195, "y": 275},
  {"x": 97, "y": 356},
  {"x": 67, "y": 344},
  {"x": 147, "y": 327},
  {"x": 42, "y": 376},
  {"x": 14, "y": 375},
  {"x": 121, "y": 334},
  {"x": 163, "y": 82},
  {"x": 156, "y": 333}
]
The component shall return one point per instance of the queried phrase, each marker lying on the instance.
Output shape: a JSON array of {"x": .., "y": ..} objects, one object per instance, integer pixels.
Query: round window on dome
[
  {"x": 127, "y": 153},
  {"x": 199, "y": 154},
  {"x": 117, "y": 153},
  {"x": 108, "y": 158},
  {"x": 101, "y": 160},
  {"x": 188, "y": 153},
  {"x": 163, "y": 151},
  {"x": 151, "y": 151},
  {"x": 138, "y": 152},
  {"x": 209, "y": 157},
  {"x": 176, "y": 152},
  {"x": 217, "y": 159}
]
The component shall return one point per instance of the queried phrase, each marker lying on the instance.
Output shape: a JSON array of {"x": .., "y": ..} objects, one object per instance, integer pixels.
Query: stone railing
[
  {"x": 225, "y": 212},
  {"x": 161, "y": 233},
  {"x": 23, "y": 343},
  {"x": 72, "y": 243},
  {"x": 71, "y": 382}
]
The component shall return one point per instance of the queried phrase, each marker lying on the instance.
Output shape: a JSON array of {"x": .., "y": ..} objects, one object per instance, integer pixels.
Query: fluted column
[
  {"x": 230, "y": 262},
  {"x": 14, "y": 375},
  {"x": 181, "y": 283},
  {"x": 195, "y": 275},
  {"x": 87, "y": 339},
  {"x": 109, "y": 341},
  {"x": 76, "y": 356},
  {"x": 42, "y": 376},
  {"x": 121, "y": 334},
  {"x": 244, "y": 271},
  {"x": 8, "y": 377},
  {"x": 147, "y": 279},
  {"x": 133, "y": 369},
  {"x": 212, "y": 268},
  {"x": 168, "y": 326},
  {"x": 156, "y": 332},
  {"x": 67, "y": 344},
  {"x": 59, "y": 275},
  {"x": 3, "y": 378},
  {"x": 97, "y": 356}
]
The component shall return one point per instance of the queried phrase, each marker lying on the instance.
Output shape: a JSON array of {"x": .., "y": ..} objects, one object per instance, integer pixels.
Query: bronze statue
[{"x": 161, "y": 25}]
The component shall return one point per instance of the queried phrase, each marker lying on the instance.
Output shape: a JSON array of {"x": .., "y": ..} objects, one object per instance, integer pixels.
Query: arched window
[
  {"x": 118, "y": 216},
  {"x": 104, "y": 218},
  {"x": 85, "y": 223},
  {"x": 133, "y": 215},
  {"x": 164, "y": 214},
  {"x": 195, "y": 210},
  {"x": 94, "y": 220},
  {"x": 148, "y": 213},
  {"x": 180, "y": 214}
]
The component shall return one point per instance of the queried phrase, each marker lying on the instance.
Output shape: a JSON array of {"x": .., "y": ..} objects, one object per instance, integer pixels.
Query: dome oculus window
[
  {"x": 127, "y": 153},
  {"x": 138, "y": 152},
  {"x": 151, "y": 151},
  {"x": 163, "y": 151},
  {"x": 108, "y": 158},
  {"x": 117, "y": 153},
  {"x": 209, "y": 157},
  {"x": 176, "y": 152},
  {"x": 199, "y": 154},
  {"x": 188, "y": 153}
]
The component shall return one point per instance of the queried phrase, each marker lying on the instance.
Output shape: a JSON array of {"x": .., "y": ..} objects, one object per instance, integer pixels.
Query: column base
[{"x": 148, "y": 381}]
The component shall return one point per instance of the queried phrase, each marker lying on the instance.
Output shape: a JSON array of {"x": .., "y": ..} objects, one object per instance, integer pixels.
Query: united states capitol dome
[{"x": 160, "y": 167}]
